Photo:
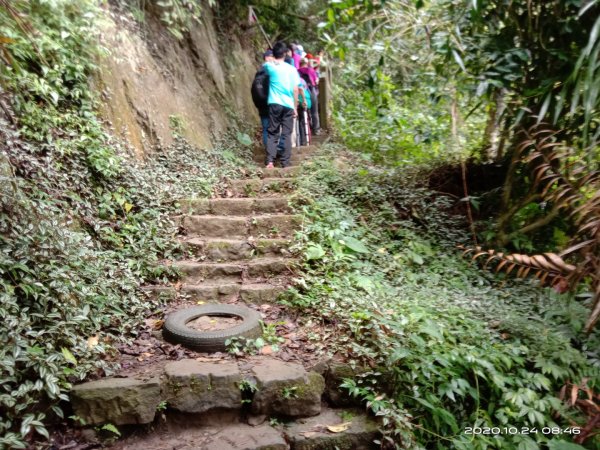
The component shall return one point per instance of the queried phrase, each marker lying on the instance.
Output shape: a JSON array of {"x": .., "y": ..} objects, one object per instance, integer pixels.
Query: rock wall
[{"x": 152, "y": 81}]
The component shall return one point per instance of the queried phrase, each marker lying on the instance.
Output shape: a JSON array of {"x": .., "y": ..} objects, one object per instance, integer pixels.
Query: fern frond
[
  {"x": 568, "y": 182},
  {"x": 546, "y": 267}
]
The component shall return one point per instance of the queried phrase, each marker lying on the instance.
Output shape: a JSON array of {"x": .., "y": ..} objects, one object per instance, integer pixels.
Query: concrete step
[
  {"x": 212, "y": 249},
  {"x": 235, "y": 206},
  {"x": 262, "y": 186},
  {"x": 232, "y": 227},
  {"x": 197, "y": 272},
  {"x": 247, "y": 292}
]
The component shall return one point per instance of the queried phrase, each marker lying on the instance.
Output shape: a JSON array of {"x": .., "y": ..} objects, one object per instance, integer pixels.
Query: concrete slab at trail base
[
  {"x": 196, "y": 387},
  {"x": 245, "y": 437},
  {"x": 120, "y": 401},
  {"x": 286, "y": 389},
  {"x": 355, "y": 431},
  {"x": 222, "y": 437}
]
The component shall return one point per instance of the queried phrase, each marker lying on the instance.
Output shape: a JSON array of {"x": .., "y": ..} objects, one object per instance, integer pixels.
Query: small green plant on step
[
  {"x": 270, "y": 335},
  {"x": 162, "y": 406},
  {"x": 290, "y": 392},
  {"x": 274, "y": 422},
  {"x": 249, "y": 191},
  {"x": 248, "y": 388},
  {"x": 113, "y": 431},
  {"x": 346, "y": 416}
]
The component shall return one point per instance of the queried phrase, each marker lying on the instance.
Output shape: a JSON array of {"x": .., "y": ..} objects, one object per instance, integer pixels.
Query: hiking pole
[{"x": 306, "y": 127}]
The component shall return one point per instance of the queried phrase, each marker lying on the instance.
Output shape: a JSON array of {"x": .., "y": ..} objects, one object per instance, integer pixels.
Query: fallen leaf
[
  {"x": 266, "y": 350},
  {"x": 339, "y": 428},
  {"x": 309, "y": 434},
  {"x": 92, "y": 342}
]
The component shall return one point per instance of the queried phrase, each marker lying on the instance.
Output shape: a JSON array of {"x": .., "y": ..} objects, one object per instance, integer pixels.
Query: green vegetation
[
  {"x": 509, "y": 88},
  {"x": 449, "y": 347},
  {"x": 241, "y": 346},
  {"x": 426, "y": 90},
  {"x": 82, "y": 224}
]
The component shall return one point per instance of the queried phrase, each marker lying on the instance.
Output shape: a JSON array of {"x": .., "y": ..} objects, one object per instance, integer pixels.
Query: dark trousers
[
  {"x": 281, "y": 119},
  {"x": 302, "y": 131}
]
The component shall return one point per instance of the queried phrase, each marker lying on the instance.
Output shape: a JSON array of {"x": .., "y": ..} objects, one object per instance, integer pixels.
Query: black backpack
[
  {"x": 260, "y": 89},
  {"x": 306, "y": 78}
]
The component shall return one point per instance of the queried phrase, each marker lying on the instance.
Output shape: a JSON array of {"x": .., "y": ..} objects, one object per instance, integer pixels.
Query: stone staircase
[
  {"x": 237, "y": 250},
  {"x": 239, "y": 245}
]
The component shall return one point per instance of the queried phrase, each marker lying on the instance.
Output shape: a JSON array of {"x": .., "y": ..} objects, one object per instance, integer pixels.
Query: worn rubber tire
[{"x": 175, "y": 329}]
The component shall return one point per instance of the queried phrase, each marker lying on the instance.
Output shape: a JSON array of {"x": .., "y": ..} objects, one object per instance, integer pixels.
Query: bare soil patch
[{"x": 214, "y": 323}]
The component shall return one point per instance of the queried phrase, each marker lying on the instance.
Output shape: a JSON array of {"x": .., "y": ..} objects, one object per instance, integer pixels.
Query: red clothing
[{"x": 312, "y": 75}]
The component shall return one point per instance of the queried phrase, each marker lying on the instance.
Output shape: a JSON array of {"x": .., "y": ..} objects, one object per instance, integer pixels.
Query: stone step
[
  {"x": 235, "y": 206},
  {"x": 223, "y": 437},
  {"x": 262, "y": 186},
  {"x": 198, "y": 272},
  {"x": 232, "y": 227},
  {"x": 356, "y": 431},
  {"x": 296, "y": 159},
  {"x": 196, "y": 387},
  {"x": 212, "y": 249},
  {"x": 247, "y": 292},
  {"x": 279, "y": 172},
  {"x": 303, "y": 150}
]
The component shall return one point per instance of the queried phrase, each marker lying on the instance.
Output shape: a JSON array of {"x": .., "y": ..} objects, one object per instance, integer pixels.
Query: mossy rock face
[
  {"x": 286, "y": 389},
  {"x": 196, "y": 387},
  {"x": 357, "y": 431}
]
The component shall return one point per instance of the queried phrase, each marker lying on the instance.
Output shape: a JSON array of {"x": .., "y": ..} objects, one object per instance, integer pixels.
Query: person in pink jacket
[{"x": 312, "y": 79}]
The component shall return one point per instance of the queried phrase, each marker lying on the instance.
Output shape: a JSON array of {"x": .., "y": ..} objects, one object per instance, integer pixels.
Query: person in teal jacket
[
  {"x": 304, "y": 105},
  {"x": 283, "y": 101}
]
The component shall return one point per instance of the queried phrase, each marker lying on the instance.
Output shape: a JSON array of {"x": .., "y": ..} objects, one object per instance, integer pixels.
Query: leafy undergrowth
[
  {"x": 447, "y": 347},
  {"x": 82, "y": 225}
]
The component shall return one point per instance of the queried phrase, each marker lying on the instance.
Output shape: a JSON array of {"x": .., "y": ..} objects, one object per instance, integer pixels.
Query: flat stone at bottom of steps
[
  {"x": 252, "y": 292},
  {"x": 357, "y": 432},
  {"x": 231, "y": 437}
]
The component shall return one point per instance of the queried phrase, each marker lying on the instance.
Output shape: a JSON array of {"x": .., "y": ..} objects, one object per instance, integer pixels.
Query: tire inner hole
[{"x": 214, "y": 322}]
